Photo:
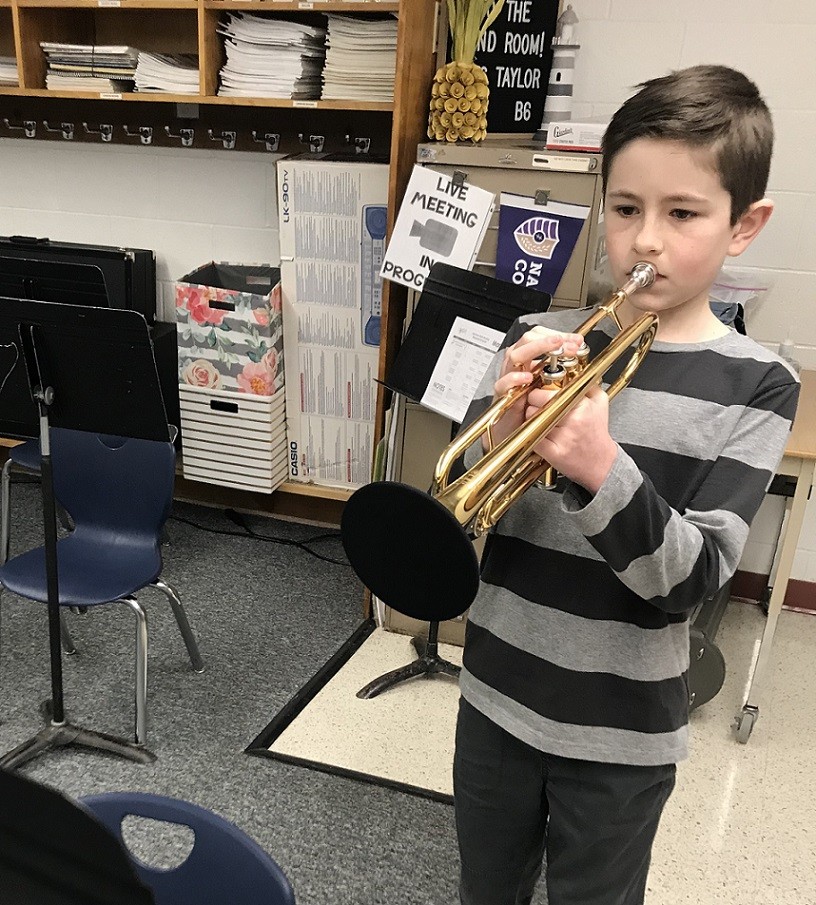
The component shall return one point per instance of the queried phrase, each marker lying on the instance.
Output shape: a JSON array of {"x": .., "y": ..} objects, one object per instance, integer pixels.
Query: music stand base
[
  {"x": 428, "y": 664},
  {"x": 62, "y": 735}
]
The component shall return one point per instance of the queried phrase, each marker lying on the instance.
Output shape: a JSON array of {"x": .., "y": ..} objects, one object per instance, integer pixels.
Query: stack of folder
[
  {"x": 271, "y": 57},
  {"x": 174, "y": 73},
  {"x": 89, "y": 67},
  {"x": 361, "y": 58},
  {"x": 8, "y": 71}
]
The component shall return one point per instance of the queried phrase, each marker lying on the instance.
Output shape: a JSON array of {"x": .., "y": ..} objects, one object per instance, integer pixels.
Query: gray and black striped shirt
[{"x": 578, "y": 641}]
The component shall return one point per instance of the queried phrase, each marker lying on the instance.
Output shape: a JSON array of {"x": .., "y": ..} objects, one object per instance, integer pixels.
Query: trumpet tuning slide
[{"x": 410, "y": 551}]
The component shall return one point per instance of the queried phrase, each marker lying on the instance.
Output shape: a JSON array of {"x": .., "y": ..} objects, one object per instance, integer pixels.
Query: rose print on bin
[
  {"x": 270, "y": 362},
  {"x": 256, "y": 379},
  {"x": 201, "y": 373},
  {"x": 197, "y": 302}
]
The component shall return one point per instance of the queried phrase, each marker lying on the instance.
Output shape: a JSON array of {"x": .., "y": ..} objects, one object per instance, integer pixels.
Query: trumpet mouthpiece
[{"x": 643, "y": 275}]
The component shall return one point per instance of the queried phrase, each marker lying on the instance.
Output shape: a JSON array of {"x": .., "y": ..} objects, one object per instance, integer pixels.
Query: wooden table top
[{"x": 802, "y": 442}]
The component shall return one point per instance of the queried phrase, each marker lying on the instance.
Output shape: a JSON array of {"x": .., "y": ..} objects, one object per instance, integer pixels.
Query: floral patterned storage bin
[{"x": 230, "y": 328}]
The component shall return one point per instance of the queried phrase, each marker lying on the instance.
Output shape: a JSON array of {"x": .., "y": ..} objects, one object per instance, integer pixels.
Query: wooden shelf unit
[
  {"x": 189, "y": 26},
  {"x": 160, "y": 26}
]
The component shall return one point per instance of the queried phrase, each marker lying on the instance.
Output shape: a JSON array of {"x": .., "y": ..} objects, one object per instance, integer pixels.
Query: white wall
[{"x": 192, "y": 206}]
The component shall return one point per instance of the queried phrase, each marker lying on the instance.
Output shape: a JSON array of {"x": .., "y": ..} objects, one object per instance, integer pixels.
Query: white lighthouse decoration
[{"x": 558, "y": 104}]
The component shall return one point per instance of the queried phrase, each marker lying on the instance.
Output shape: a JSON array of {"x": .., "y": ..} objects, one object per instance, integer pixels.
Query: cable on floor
[{"x": 248, "y": 531}]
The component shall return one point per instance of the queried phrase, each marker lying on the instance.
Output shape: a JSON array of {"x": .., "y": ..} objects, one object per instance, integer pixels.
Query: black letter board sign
[{"x": 517, "y": 54}]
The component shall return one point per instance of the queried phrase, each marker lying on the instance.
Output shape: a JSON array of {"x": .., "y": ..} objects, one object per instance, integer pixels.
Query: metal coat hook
[
  {"x": 270, "y": 139},
  {"x": 186, "y": 135},
  {"x": 105, "y": 131},
  {"x": 145, "y": 133},
  {"x": 28, "y": 126},
  {"x": 227, "y": 138},
  {"x": 66, "y": 129},
  {"x": 315, "y": 142},
  {"x": 361, "y": 145}
]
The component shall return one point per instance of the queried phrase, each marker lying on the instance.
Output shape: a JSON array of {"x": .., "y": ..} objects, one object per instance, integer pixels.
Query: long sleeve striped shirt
[{"x": 578, "y": 640}]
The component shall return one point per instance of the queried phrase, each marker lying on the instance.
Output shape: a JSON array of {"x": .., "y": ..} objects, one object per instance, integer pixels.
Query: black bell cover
[{"x": 410, "y": 551}]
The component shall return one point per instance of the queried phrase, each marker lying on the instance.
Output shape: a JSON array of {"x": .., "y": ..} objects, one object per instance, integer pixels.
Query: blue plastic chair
[
  {"x": 225, "y": 866},
  {"x": 25, "y": 456},
  {"x": 118, "y": 491}
]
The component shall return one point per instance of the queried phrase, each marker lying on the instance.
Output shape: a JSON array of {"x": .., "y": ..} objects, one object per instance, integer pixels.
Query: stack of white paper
[
  {"x": 89, "y": 67},
  {"x": 175, "y": 73},
  {"x": 271, "y": 57},
  {"x": 361, "y": 58},
  {"x": 8, "y": 71}
]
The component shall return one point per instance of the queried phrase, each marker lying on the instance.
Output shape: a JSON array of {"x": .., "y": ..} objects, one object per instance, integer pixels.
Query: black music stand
[
  {"x": 68, "y": 283},
  {"x": 89, "y": 369},
  {"x": 405, "y": 546}
]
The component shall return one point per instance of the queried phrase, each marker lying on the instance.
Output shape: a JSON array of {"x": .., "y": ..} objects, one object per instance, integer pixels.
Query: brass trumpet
[
  {"x": 414, "y": 549},
  {"x": 479, "y": 498}
]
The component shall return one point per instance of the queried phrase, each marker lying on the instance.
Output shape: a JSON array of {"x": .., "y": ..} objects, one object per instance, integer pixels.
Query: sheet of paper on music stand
[
  {"x": 440, "y": 220},
  {"x": 460, "y": 367}
]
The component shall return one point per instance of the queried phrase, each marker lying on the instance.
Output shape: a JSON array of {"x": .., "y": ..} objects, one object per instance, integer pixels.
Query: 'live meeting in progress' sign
[
  {"x": 440, "y": 219},
  {"x": 516, "y": 53}
]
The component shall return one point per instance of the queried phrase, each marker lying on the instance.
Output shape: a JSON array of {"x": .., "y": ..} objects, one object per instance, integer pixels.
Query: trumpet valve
[
  {"x": 572, "y": 366},
  {"x": 553, "y": 372}
]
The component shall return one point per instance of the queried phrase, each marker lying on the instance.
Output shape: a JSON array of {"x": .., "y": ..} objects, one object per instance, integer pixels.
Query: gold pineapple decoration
[{"x": 460, "y": 93}]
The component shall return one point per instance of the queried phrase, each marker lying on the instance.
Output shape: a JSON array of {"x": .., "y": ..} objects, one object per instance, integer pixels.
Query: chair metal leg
[
  {"x": 141, "y": 668},
  {"x": 184, "y": 626},
  {"x": 67, "y": 641},
  {"x": 5, "y": 511}
]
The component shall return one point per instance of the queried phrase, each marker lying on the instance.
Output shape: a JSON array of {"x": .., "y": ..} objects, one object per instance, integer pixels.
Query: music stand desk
[{"x": 799, "y": 463}]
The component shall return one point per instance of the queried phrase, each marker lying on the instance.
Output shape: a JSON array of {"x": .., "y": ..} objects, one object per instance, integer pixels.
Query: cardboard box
[
  {"x": 332, "y": 231},
  {"x": 570, "y": 136},
  {"x": 230, "y": 328},
  {"x": 234, "y": 439}
]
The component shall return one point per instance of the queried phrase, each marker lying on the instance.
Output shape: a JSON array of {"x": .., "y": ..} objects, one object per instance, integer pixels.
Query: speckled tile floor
[
  {"x": 387, "y": 736},
  {"x": 739, "y": 828}
]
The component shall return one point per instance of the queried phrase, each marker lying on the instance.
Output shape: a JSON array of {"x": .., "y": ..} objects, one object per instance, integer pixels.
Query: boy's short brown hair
[{"x": 706, "y": 107}]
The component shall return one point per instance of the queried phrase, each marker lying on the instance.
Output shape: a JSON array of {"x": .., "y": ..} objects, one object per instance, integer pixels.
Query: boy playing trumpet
[{"x": 574, "y": 705}]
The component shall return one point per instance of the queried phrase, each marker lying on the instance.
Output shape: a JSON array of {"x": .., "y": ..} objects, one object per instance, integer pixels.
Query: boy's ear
[{"x": 749, "y": 226}]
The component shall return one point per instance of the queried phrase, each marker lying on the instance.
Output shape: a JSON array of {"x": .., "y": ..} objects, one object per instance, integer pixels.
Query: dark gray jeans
[{"x": 594, "y": 822}]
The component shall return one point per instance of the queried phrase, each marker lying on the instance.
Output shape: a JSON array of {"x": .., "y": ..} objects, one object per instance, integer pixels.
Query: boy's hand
[
  {"x": 515, "y": 371},
  {"x": 580, "y": 446}
]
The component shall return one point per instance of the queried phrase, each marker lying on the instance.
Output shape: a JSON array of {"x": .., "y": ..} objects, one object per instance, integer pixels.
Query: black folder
[{"x": 450, "y": 292}]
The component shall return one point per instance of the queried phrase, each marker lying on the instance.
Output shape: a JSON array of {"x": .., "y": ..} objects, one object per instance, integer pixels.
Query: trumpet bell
[{"x": 410, "y": 551}]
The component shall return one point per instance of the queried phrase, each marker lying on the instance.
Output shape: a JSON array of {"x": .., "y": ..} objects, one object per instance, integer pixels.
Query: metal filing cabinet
[{"x": 528, "y": 169}]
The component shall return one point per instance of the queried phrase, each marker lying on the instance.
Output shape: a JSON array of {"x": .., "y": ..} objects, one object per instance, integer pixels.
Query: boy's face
[{"x": 665, "y": 204}]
